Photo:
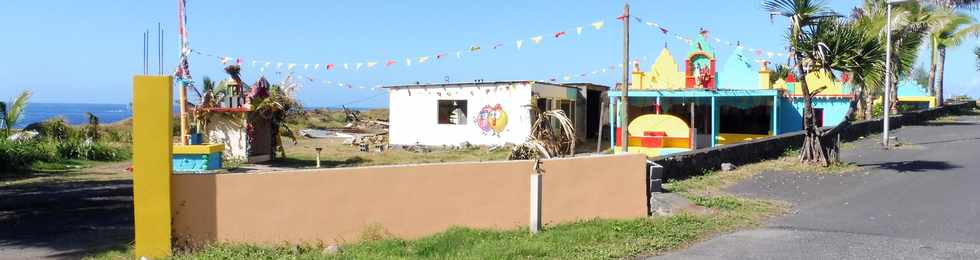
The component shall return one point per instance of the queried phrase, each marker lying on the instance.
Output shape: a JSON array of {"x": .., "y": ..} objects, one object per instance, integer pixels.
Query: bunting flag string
[
  {"x": 756, "y": 51},
  {"x": 473, "y": 49}
]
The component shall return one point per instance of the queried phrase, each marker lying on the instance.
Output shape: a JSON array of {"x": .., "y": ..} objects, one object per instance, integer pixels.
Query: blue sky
[{"x": 87, "y": 51}]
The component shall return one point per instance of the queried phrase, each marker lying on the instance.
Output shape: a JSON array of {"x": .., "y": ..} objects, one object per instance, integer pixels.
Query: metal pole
[
  {"x": 888, "y": 76},
  {"x": 624, "y": 115}
]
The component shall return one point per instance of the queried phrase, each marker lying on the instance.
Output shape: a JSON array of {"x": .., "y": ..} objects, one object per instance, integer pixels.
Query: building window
[
  {"x": 568, "y": 107},
  {"x": 452, "y": 112}
]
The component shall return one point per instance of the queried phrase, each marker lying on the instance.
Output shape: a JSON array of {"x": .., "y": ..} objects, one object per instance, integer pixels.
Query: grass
[
  {"x": 589, "y": 239},
  {"x": 336, "y": 154},
  {"x": 331, "y": 118}
]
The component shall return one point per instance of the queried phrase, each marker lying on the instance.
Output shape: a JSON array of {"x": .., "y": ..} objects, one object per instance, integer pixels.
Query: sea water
[{"x": 73, "y": 113}]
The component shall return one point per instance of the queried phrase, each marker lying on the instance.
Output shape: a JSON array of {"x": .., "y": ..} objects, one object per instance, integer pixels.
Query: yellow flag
[
  {"x": 290, "y": 67},
  {"x": 536, "y": 39},
  {"x": 423, "y": 59},
  {"x": 598, "y": 25},
  {"x": 371, "y": 64}
]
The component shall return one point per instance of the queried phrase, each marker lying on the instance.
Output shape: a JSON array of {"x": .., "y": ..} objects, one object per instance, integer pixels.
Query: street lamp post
[{"x": 886, "y": 105}]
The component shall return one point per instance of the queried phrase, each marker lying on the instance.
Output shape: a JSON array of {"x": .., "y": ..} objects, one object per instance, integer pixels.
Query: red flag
[
  {"x": 439, "y": 55},
  {"x": 390, "y": 62},
  {"x": 238, "y": 61},
  {"x": 329, "y": 66},
  {"x": 559, "y": 34},
  {"x": 622, "y": 17}
]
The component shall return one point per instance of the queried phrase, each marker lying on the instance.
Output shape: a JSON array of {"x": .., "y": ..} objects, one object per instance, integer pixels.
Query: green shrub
[{"x": 19, "y": 156}]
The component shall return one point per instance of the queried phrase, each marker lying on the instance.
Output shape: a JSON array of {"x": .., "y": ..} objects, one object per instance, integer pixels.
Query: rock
[
  {"x": 23, "y": 136},
  {"x": 331, "y": 249},
  {"x": 727, "y": 167}
]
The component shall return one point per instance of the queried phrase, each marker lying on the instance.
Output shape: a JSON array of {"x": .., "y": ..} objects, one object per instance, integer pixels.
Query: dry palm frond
[{"x": 552, "y": 135}]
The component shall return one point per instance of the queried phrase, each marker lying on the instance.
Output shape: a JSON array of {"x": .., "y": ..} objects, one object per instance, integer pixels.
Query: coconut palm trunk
[{"x": 939, "y": 76}]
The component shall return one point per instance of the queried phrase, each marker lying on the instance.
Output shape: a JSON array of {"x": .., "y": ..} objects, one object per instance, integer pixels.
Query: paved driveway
[{"x": 921, "y": 201}]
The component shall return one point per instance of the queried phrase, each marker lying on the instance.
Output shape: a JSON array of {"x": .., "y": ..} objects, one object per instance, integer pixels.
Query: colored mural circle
[{"x": 492, "y": 119}]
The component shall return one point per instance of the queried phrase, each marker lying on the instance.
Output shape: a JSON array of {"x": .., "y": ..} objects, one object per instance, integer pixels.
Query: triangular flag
[
  {"x": 306, "y": 66},
  {"x": 423, "y": 59},
  {"x": 316, "y": 66},
  {"x": 238, "y": 61},
  {"x": 519, "y": 44},
  {"x": 475, "y": 48},
  {"x": 536, "y": 39},
  {"x": 390, "y": 62},
  {"x": 358, "y": 66},
  {"x": 567, "y": 78},
  {"x": 371, "y": 64},
  {"x": 663, "y": 30},
  {"x": 651, "y": 24},
  {"x": 559, "y": 34},
  {"x": 279, "y": 65},
  {"x": 439, "y": 55},
  {"x": 329, "y": 66},
  {"x": 224, "y": 60},
  {"x": 598, "y": 25},
  {"x": 578, "y": 30},
  {"x": 267, "y": 64},
  {"x": 408, "y": 62},
  {"x": 253, "y": 63},
  {"x": 291, "y": 66},
  {"x": 345, "y": 66},
  {"x": 459, "y": 54},
  {"x": 495, "y": 46}
]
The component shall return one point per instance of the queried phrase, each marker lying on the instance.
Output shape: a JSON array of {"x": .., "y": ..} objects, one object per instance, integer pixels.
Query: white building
[{"x": 485, "y": 113}]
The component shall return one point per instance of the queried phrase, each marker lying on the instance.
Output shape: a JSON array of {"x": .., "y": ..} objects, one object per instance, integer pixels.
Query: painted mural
[{"x": 492, "y": 120}]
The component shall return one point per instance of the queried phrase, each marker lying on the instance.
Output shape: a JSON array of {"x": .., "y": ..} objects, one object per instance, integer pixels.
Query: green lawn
[{"x": 582, "y": 240}]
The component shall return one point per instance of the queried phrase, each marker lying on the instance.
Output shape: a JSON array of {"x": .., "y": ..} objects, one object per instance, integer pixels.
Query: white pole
[
  {"x": 535, "y": 217},
  {"x": 534, "y": 223},
  {"x": 888, "y": 77}
]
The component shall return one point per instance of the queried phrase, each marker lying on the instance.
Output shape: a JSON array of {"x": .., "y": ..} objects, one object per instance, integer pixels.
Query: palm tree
[
  {"x": 12, "y": 113},
  {"x": 805, "y": 16},
  {"x": 950, "y": 30}
]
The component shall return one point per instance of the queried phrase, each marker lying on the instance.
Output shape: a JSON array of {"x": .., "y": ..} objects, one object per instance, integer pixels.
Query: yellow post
[{"x": 152, "y": 108}]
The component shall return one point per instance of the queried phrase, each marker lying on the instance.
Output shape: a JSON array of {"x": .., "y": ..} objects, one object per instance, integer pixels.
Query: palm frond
[{"x": 16, "y": 109}]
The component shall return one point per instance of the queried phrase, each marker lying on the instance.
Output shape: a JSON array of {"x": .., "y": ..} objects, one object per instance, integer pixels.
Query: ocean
[{"x": 73, "y": 113}]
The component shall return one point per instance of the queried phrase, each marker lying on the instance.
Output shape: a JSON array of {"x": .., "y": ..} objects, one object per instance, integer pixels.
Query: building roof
[
  {"x": 471, "y": 84},
  {"x": 587, "y": 85}
]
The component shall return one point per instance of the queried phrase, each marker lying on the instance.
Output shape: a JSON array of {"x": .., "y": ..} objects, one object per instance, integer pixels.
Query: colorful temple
[{"x": 673, "y": 111}]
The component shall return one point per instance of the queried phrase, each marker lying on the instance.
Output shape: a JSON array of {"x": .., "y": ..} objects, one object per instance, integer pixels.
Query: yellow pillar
[{"x": 152, "y": 108}]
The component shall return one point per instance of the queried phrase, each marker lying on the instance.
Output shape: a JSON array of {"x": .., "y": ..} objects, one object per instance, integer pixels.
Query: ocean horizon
[{"x": 74, "y": 113}]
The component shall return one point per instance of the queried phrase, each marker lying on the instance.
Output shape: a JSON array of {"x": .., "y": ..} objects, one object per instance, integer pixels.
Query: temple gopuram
[{"x": 673, "y": 111}]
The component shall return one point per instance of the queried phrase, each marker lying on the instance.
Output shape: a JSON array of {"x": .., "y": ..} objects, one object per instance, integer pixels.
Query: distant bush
[{"x": 58, "y": 141}]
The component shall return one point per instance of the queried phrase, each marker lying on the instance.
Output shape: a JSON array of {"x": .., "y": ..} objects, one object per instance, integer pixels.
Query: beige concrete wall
[{"x": 338, "y": 205}]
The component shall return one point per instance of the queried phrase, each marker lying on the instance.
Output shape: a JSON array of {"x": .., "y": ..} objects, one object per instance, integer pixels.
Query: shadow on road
[
  {"x": 65, "y": 219},
  {"x": 913, "y": 166}
]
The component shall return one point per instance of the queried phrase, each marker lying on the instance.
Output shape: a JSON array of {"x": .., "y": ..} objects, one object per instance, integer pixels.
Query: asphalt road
[
  {"x": 65, "y": 220},
  {"x": 920, "y": 201}
]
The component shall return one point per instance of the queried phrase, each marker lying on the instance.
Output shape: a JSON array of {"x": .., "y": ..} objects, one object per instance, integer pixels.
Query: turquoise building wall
[
  {"x": 791, "y": 112},
  {"x": 910, "y": 88},
  {"x": 738, "y": 72}
]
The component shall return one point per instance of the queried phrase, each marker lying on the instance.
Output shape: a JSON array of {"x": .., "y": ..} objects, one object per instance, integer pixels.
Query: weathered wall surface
[
  {"x": 414, "y": 114},
  {"x": 229, "y": 129},
  {"x": 687, "y": 164},
  {"x": 338, "y": 205}
]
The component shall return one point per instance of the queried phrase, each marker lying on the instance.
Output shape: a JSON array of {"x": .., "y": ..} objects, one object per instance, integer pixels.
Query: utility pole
[{"x": 624, "y": 114}]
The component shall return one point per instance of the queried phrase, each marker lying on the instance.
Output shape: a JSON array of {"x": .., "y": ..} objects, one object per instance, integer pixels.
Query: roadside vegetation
[{"x": 54, "y": 145}]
